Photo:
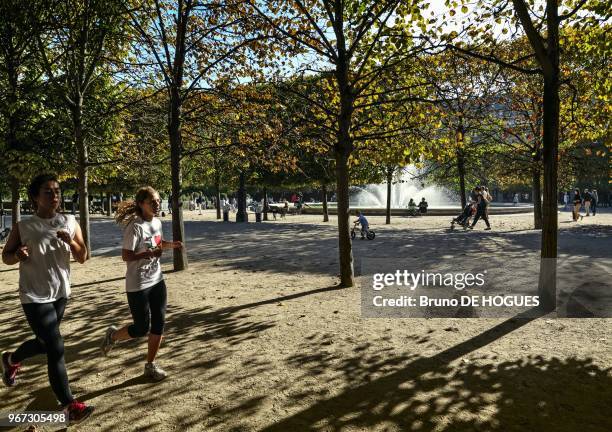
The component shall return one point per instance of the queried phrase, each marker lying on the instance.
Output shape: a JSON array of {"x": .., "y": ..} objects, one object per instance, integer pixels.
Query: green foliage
[{"x": 247, "y": 105}]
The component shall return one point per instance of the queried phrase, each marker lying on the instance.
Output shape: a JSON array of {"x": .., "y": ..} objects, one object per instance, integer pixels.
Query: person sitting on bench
[{"x": 423, "y": 206}]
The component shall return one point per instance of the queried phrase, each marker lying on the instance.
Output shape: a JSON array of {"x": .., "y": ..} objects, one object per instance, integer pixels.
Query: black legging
[
  {"x": 44, "y": 319},
  {"x": 481, "y": 213},
  {"x": 148, "y": 302}
]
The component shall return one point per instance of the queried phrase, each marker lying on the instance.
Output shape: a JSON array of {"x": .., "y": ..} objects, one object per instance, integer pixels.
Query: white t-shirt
[
  {"x": 139, "y": 236},
  {"x": 45, "y": 276}
]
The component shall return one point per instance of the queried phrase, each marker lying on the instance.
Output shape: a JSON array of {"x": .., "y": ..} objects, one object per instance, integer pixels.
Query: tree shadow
[
  {"x": 84, "y": 284},
  {"x": 454, "y": 390},
  {"x": 9, "y": 270},
  {"x": 367, "y": 387},
  {"x": 294, "y": 247},
  {"x": 189, "y": 333},
  {"x": 135, "y": 381}
]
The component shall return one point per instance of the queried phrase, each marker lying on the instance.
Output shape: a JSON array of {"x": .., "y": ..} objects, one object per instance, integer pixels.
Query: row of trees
[{"x": 323, "y": 92}]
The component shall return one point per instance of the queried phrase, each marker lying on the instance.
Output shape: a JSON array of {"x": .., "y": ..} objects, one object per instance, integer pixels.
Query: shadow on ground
[
  {"x": 371, "y": 385},
  {"x": 312, "y": 248},
  {"x": 451, "y": 391}
]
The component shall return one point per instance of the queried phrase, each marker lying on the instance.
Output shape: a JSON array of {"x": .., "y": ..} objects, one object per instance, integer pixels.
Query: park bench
[{"x": 279, "y": 208}]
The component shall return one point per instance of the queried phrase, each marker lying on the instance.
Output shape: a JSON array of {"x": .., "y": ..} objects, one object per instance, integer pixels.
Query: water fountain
[
  {"x": 404, "y": 188},
  {"x": 372, "y": 198}
]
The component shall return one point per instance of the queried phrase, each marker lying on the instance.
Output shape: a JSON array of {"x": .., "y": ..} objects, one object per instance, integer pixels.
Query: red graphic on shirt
[{"x": 156, "y": 240}]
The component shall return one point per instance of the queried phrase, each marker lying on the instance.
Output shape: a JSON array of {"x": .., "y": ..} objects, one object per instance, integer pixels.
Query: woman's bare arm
[{"x": 14, "y": 251}]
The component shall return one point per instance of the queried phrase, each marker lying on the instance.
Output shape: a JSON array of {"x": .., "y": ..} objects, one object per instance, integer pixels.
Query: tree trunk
[
  {"x": 461, "y": 171},
  {"x": 537, "y": 194},
  {"x": 179, "y": 256},
  {"x": 547, "y": 286},
  {"x": 109, "y": 203},
  {"x": 11, "y": 138},
  {"x": 2, "y": 225},
  {"x": 342, "y": 151},
  {"x": 266, "y": 209},
  {"x": 15, "y": 201},
  {"x": 325, "y": 211},
  {"x": 344, "y": 237},
  {"x": 217, "y": 195},
  {"x": 241, "y": 214},
  {"x": 389, "y": 181},
  {"x": 82, "y": 171}
]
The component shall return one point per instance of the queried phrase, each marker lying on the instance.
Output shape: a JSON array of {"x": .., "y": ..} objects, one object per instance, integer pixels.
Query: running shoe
[
  {"x": 108, "y": 342},
  {"x": 9, "y": 371},
  {"x": 154, "y": 372},
  {"x": 487, "y": 228},
  {"x": 77, "y": 411}
]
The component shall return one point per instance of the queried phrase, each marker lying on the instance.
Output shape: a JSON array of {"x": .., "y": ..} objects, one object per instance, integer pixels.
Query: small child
[{"x": 364, "y": 224}]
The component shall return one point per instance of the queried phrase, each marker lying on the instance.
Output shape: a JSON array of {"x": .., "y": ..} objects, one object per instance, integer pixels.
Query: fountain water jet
[{"x": 375, "y": 195}]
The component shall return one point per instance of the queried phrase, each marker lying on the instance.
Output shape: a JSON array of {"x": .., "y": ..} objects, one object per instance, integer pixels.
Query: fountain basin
[{"x": 441, "y": 210}]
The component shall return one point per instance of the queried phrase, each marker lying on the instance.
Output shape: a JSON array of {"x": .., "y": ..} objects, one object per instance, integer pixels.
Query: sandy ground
[{"x": 259, "y": 338}]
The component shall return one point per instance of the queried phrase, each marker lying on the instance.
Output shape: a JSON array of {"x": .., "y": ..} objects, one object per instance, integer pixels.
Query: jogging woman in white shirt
[
  {"x": 42, "y": 245},
  {"x": 144, "y": 282}
]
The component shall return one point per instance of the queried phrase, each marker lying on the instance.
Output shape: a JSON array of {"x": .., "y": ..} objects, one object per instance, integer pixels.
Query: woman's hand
[
  {"x": 22, "y": 253},
  {"x": 172, "y": 244},
  {"x": 64, "y": 236}
]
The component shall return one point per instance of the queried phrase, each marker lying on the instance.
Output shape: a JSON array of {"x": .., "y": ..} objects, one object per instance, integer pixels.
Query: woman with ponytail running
[
  {"x": 144, "y": 282},
  {"x": 42, "y": 245}
]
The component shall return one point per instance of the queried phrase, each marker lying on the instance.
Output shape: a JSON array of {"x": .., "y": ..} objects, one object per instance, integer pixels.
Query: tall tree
[
  {"x": 188, "y": 42},
  {"x": 464, "y": 90},
  {"x": 77, "y": 45},
  {"x": 351, "y": 43},
  {"x": 520, "y": 138},
  {"x": 541, "y": 23},
  {"x": 19, "y": 79}
]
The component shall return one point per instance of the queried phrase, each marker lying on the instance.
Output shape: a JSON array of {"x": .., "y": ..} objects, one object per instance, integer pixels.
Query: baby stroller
[{"x": 463, "y": 219}]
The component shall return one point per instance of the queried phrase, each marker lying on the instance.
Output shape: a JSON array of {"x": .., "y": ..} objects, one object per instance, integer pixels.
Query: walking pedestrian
[
  {"x": 481, "y": 210},
  {"x": 586, "y": 201},
  {"x": 577, "y": 201}
]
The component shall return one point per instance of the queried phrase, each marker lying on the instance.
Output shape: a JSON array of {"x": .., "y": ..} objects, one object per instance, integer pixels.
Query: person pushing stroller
[{"x": 481, "y": 208}]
